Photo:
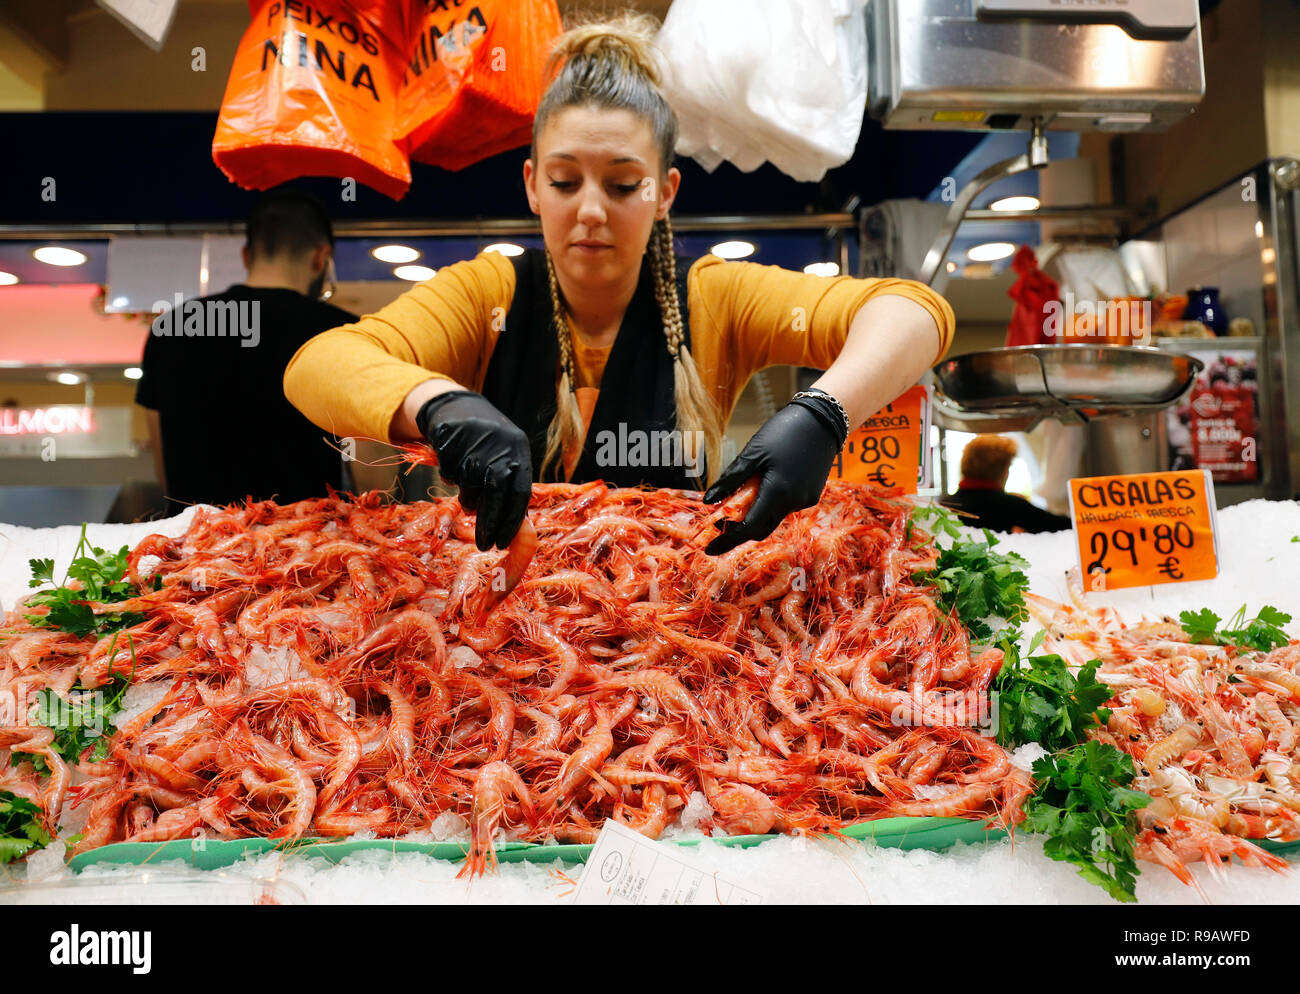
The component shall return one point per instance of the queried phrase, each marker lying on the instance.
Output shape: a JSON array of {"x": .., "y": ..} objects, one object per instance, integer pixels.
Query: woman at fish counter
[{"x": 605, "y": 356}]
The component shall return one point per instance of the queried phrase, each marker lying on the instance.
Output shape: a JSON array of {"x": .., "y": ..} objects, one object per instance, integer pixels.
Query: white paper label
[{"x": 627, "y": 868}]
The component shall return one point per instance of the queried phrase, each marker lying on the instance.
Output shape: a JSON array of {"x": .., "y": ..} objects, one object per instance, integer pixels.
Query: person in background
[
  {"x": 981, "y": 496},
  {"x": 221, "y": 428}
]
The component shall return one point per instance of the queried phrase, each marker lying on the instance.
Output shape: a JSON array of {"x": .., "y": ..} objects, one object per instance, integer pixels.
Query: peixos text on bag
[
  {"x": 320, "y": 56},
  {"x": 209, "y": 319},
  {"x": 102, "y": 948}
]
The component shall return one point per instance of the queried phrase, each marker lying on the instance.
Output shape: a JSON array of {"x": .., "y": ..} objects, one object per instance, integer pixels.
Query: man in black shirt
[
  {"x": 985, "y": 465},
  {"x": 213, "y": 369}
]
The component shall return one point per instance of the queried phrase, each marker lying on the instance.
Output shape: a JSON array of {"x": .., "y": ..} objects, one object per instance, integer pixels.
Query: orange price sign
[
  {"x": 1145, "y": 528},
  {"x": 887, "y": 450}
]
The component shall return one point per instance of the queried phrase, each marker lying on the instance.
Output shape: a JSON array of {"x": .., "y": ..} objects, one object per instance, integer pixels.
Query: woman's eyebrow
[{"x": 615, "y": 161}]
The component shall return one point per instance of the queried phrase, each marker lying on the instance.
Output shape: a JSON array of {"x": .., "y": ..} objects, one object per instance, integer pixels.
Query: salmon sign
[
  {"x": 1145, "y": 528},
  {"x": 57, "y": 420},
  {"x": 888, "y": 450}
]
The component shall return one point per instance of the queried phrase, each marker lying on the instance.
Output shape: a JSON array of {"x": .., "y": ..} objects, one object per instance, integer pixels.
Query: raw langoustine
[{"x": 1211, "y": 731}]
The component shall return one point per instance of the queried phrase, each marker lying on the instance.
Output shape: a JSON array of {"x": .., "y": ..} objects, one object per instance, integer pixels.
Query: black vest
[{"x": 636, "y": 389}]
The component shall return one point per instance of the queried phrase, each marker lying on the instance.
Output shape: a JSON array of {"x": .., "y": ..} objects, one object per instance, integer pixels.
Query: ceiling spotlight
[
  {"x": 950, "y": 266},
  {"x": 69, "y": 379},
  {"x": 133, "y": 372},
  {"x": 416, "y": 274},
  {"x": 990, "y": 251},
  {"x": 505, "y": 248},
  {"x": 7, "y": 279},
  {"x": 822, "y": 269},
  {"x": 395, "y": 253},
  {"x": 733, "y": 250},
  {"x": 56, "y": 255},
  {"x": 1016, "y": 204}
]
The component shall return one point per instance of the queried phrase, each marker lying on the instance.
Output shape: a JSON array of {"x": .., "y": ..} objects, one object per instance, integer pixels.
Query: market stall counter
[{"x": 911, "y": 859}]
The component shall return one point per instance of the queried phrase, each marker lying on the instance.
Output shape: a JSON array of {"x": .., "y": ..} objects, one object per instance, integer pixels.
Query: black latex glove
[
  {"x": 485, "y": 454},
  {"x": 792, "y": 454}
]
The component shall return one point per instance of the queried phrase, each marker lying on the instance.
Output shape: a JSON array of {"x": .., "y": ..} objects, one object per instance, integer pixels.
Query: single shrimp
[
  {"x": 502, "y": 710},
  {"x": 654, "y": 814},
  {"x": 292, "y": 781},
  {"x": 734, "y": 508},
  {"x": 665, "y": 688},
  {"x": 1150, "y": 845},
  {"x": 495, "y": 783},
  {"x": 1186, "y": 736},
  {"x": 401, "y": 730},
  {"x": 570, "y": 665},
  {"x": 176, "y": 823},
  {"x": 583, "y": 762},
  {"x": 346, "y": 758},
  {"x": 339, "y": 823},
  {"x": 1283, "y": 732},
  {"x": 963, "y": 801},
  {"x": 511, "y": 568},
  {"x": 741, "y": 809}
]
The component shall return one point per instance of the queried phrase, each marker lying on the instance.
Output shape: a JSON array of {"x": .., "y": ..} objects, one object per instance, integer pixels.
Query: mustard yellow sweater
[{"x": 351, "y": 380}]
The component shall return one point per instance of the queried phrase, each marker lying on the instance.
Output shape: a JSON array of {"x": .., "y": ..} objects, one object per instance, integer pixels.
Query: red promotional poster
[{"x": 1217, "y": 426}]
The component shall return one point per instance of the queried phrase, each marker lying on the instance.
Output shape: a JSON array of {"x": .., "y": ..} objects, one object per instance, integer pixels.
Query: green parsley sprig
[
  {"x": 1041, "y": 700},
  {"x": 1087, "y": 811},
  {"x": 80, "y": 721},
  {"x": 21, "y": 829},
  {"x": 970, "y": 577},
  {"x": 1082, "y": 801},
  {"x": 95, "y": 576},
  {"x": 1261, "y": 633},
  {"x": 101, "y": 579}
]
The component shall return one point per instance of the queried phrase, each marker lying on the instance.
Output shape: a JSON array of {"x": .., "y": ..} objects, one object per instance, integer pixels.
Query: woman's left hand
[{"x": 792, "y": 455}]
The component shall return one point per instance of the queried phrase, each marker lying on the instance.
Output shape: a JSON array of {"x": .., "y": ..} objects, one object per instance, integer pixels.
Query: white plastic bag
[{"x": 759, "y": 80}]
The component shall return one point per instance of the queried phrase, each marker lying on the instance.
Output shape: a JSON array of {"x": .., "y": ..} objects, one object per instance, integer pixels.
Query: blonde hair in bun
[
  {"x": 612, "y": 64},
  {"x": 628, "y": 37}
]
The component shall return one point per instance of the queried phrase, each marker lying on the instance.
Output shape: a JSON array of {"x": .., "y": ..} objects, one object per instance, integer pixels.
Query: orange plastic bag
[
  {"x": 313, "y": 92},
  {"x": 473, "y": 77}
]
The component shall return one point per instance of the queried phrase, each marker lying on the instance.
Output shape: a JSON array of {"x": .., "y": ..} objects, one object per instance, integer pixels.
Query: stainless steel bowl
[{"x": 1027, "y": 383}]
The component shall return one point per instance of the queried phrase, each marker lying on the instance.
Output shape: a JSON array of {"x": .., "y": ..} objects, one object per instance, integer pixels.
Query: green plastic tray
[
  {"x": 896, "y": 833},
  {"x": 934, "y": 834}
]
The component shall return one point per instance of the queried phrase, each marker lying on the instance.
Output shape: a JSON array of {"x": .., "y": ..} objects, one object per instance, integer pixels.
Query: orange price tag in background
[
  {"x": 886, "y": 451},
  {"x": 1145, "y": 528}
]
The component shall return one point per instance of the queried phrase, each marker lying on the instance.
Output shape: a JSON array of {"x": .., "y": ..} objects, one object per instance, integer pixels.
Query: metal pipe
[
  {"x": 1081, "y": 212},
  {"x": 1283, "y": 219},
  {"x": 473, "y": 227},
  {"x": 1034, "y": 157}
]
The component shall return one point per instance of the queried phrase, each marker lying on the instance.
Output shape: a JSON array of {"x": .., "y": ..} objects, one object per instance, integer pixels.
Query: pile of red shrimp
[
  {"x": 340, "y": 666},
  {"x": 1212, "y": 732}
]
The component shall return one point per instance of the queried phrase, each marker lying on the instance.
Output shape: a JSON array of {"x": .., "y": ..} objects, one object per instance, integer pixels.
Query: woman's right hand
[{"x": 484, "y": 453}]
